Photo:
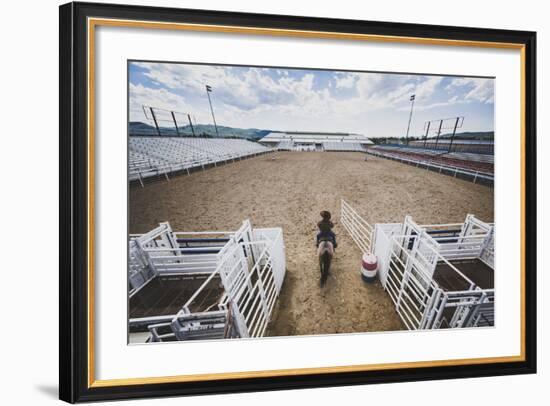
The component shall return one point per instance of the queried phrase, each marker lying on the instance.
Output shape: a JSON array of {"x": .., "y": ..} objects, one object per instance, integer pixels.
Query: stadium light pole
[
  {"x": 208, "y": 90},
  {"x": 410, "y": 117}
]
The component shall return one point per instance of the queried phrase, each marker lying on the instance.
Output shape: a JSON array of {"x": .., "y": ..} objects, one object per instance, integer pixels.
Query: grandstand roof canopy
[{"x": 315, "y": 137}]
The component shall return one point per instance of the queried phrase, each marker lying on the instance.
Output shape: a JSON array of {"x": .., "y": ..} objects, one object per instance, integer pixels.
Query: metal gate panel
[
  {"x": 359, "y": 229},
  {"x": 251, "y": 290},
  {"x": 411, "y": 290}
]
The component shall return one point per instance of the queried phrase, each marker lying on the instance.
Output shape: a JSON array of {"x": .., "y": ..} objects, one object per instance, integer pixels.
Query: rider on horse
[{"x": 325, "y": 229}]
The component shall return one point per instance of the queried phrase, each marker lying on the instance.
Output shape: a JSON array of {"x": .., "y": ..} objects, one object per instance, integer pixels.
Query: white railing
[
  {"x": 408, "y": 256},
  {"x": 161, "y": 156},
  {"x": 359, "y": 229},
  {"x": 250, "y": 266},
  {"x": 474, "y": 176},
  {"x": 276, "y": 251},
  {"x": 420, "y": 302},
  {"x": 139, "y": 271},
  {"x": 488, "y": 250},
  {"x": 160, "y": 250},
  {"x": 252, "y": 290},
  {"x": 409, "y": 285},
  {"x": 469, "y": 247},
  {"x": 382, "y": 238}
]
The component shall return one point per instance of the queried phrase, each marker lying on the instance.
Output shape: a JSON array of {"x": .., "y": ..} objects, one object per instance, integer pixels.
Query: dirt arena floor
[{"x": 288, "y": 190}]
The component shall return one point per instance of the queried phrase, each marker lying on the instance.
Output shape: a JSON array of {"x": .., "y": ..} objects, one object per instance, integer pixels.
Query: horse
[{"x": 325, "y": 252}]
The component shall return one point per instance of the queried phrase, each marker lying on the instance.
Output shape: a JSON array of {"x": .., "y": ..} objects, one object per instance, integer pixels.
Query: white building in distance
[{"x": 316, "y": 141}]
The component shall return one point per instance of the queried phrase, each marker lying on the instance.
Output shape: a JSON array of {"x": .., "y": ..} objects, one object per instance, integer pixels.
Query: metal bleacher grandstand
[
  {"x": 286, "y": 145},
  {"x": 316, "y": 141},
  {"x": 160, "y": 156},
  {"x": 474, "y": 166},
  {"x": 343, "y": 146}
]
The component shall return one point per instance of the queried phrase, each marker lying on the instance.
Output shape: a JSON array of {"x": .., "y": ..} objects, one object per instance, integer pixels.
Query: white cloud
[
  {"x": 473, "y": 89},
  {"x": 287, "y": 99},
  {"x": 426, "y": 88},
  {"x": 345, "y": 81},
  {"x": 160, "y": 98}
]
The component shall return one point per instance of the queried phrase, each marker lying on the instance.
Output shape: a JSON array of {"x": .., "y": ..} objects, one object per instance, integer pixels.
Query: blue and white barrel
[{"x": 369, "y": 267}]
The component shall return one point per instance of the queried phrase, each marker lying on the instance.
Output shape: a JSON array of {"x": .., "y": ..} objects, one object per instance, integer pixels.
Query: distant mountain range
[
  {"x": 205, "y": 130},
  {"x": 254, "y": 134}
]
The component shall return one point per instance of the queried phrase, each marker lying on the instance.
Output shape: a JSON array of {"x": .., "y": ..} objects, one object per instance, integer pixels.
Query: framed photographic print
[{"x": 256, "y": 202}]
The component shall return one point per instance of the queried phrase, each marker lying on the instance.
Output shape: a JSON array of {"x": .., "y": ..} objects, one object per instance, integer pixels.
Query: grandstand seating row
[
  {"x": 285, "y": 145},
  {"x": 289, "y": 145},
  {"x": 447, "y": 169},
  {"x": 466, "y": 156},
  {"x": 481, "y": 163},
  {"x": 343, "y": 146},
  {"x": 154, "y": 156}
]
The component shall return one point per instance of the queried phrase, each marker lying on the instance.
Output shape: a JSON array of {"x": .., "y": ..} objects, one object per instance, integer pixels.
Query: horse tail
[
  {"x": 326, "y": 256},
  {"x": 325, "y": 265}
]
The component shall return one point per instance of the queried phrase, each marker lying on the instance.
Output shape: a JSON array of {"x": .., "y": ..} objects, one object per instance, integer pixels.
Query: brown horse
[{"x": 325, "y": 252}]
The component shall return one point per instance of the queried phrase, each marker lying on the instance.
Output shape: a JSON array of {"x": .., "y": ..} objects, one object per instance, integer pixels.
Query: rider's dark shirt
[
  {"x": 325, "y": 225},
  {"x": 329, "y": 235}
]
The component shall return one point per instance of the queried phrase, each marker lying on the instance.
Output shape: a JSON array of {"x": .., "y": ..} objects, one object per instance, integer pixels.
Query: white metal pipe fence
[
  {"x": 250, "y": 266},
  {"x": 474, "y": 176},
  {"x": 408, "y": 256},
  {"x": 359, "y": 229}
]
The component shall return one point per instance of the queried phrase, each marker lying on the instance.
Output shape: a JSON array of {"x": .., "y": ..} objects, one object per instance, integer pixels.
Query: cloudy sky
[{"x": 374, "y": 104}]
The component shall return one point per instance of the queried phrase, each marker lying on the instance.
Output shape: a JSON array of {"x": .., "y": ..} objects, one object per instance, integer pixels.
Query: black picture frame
[{"x": 74, "y": 201}]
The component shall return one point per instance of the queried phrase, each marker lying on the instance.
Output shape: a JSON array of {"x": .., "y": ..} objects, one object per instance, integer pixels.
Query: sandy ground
[{"x": 289, "y": 190}]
